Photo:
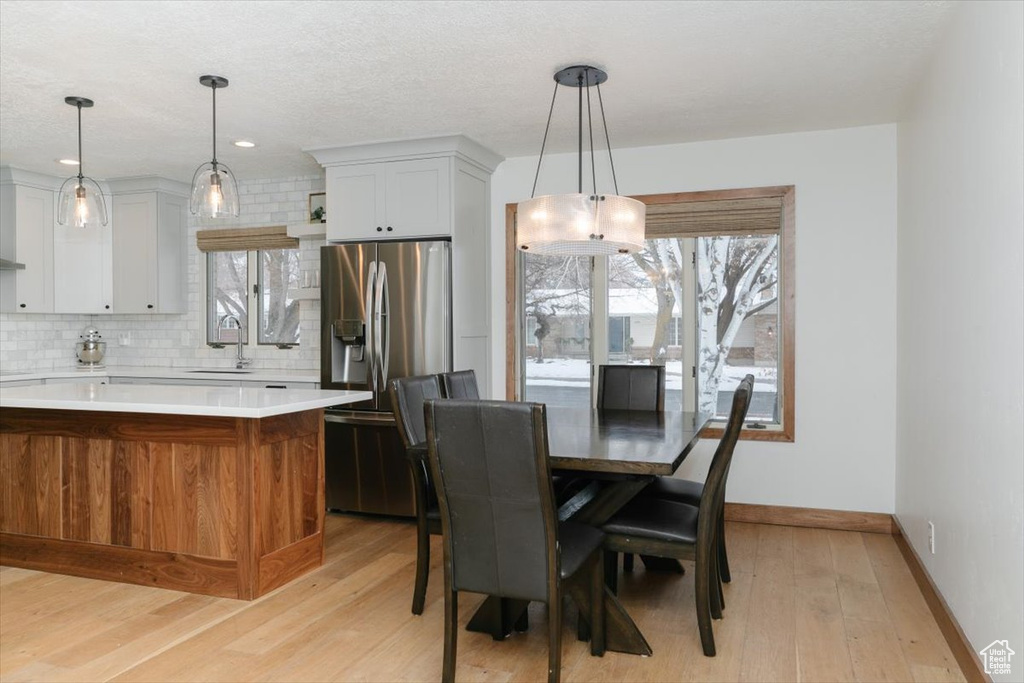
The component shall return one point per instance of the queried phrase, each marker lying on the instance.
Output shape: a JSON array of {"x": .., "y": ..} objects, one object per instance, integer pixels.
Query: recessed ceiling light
[
  {"x": 244, "y": 143},
  {"x": 68, "y": 162}
]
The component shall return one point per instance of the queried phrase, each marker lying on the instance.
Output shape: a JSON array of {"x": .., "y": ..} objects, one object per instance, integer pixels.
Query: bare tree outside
[
  {"x": 228, "y": 287},
  {"x": 736, "y": 278},
  {"x": 279, "y": 312}
]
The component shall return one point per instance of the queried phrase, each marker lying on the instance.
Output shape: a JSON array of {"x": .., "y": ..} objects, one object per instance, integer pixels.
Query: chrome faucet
[{"x": 243, "y": 362}]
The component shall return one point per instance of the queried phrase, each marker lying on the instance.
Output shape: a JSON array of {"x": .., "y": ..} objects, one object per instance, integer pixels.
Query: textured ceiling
[{"x": 311, "y": 74}]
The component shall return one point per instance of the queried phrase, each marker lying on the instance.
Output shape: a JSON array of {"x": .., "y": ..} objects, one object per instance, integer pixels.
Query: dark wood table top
[{"x": 621, "y": 441}]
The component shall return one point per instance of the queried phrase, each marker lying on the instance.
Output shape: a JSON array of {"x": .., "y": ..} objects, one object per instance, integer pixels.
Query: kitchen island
[{"x": 212, "y": 490}]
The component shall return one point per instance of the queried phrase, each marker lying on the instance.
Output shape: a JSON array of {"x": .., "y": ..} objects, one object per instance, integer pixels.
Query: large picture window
[{"x": 710, "y": 297}]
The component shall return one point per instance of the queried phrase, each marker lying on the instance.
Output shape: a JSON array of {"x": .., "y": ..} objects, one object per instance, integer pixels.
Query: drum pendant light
[
  {"x": 580, "y": 224},
  {"x": 214, "y": 190},
  {"x": 80, "y": 202}
]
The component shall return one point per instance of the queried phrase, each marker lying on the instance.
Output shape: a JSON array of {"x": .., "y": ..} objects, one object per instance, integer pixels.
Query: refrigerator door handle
[
  {"x": 383, "y": 329},
  {"x": 371, "y": 365}
]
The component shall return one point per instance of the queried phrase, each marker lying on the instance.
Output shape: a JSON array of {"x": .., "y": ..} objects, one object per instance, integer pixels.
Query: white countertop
[
  {"x": 249, "y": 374},
  {"x": 175, "y": 400}
]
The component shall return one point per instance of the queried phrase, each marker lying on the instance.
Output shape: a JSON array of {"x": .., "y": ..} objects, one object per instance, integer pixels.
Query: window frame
[{"x": 786, "y": 300}]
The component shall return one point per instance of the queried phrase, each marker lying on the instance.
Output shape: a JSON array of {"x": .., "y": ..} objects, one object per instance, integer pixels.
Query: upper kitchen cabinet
[
  {"x": 26, "y": 237},
  {"x": 149, "y": 245},
  {"x": 82, "y": 265},
  {"x": 394, "y": 200}
]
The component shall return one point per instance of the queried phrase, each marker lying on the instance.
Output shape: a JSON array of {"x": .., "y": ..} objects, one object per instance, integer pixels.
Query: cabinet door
[
  {"x": 33, "y": 238},
  {"x": 171, "y": 238},
  {"x": 418, "y": 198},
  {"x": 135, "y": 256},
  {"x": 82, "y": 270},
  {"x": 355, "y": 202}
]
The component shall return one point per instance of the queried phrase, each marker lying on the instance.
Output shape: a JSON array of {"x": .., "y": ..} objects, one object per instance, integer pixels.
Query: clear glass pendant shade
[
  {"x": 580, "y": 225},
  {"x": 214, "y": 191},
  {"x": 80, "y": 203}
]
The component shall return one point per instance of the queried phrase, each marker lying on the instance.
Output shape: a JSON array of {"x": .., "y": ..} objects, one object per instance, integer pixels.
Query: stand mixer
[{"x": 90, "y": 350}]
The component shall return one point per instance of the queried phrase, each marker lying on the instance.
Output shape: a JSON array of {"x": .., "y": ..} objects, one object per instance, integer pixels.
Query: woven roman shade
[
  {"x": 752, "y": 216},
  {"x": 246, "y": 239}
]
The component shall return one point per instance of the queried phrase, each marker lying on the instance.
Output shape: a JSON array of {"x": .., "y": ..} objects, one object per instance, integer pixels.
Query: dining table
[{"x": 609, "y": 456}]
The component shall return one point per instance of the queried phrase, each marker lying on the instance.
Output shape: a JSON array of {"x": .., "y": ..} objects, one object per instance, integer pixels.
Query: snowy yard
[{"x": 566, "y": 372}]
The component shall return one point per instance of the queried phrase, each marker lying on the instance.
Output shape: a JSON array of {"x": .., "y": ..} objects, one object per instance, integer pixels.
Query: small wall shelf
[{"x": 301, "y": 230}]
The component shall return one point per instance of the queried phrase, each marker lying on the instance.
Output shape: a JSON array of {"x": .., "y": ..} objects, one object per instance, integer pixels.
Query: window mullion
[{"x": 254, "y": 285}]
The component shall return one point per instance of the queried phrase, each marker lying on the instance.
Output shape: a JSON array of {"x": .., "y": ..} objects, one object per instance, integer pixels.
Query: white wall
[
  {"x": 31, "y": 342},
  {"x": 843, "y": 456},
  {"x": 960, "y": 447}
]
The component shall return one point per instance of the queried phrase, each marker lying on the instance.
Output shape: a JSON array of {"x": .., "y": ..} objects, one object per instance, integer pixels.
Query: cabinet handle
[
  {"x": 389, "y": 228},
  {"x": 275, "y": 386},
  {"x": 149, "y": 305},
  {"x": 21, "y": 305},
  {"x": 107, "y": 307},
  {"x": 380, "y": 229}
]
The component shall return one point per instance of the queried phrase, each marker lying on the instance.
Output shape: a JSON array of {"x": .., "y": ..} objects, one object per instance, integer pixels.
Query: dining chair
[
  {"x": 631, "y": 387},
  {"x": 665, "y": 528},
  {"x": 459, "y": 384},
  {"x": 407, "y": 397},
  {"x": 501, "y": 535}
]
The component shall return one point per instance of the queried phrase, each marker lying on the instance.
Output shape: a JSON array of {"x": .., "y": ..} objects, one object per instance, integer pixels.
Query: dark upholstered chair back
[
  {"x": 407, "y": 397},
  {"x": 460, "y": 384},
  {"x": 631, "y": 387},
  {"x": 489, "y": 460},
  {"x": 714, "y": 486}
]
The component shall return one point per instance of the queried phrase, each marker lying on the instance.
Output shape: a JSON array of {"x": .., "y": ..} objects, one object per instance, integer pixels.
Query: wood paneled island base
[{"x": 225, "y": 506}]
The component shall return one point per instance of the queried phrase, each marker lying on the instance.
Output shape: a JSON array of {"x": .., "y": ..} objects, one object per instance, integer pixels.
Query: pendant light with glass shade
[
  {"x": 580, "y": 224},
  {"x": 214, "y": 190},
  {"x": 80, "y": 202}
]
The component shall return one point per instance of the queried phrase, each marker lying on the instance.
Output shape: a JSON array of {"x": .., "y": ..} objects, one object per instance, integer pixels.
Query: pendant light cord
[
  {"x": 80, "y": 174},
  {"x": 214, "y": 88},
  {"x": 611, "y": 162},
  {"x": 590, "y": 127},
  {"x": 545, "y": 141}
]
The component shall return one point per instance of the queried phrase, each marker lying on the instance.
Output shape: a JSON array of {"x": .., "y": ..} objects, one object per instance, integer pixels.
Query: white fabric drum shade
[{"x": 580, "y": 225}]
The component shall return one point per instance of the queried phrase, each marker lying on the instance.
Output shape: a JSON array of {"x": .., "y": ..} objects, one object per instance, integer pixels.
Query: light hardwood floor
[{"x": 803, "y": 605}]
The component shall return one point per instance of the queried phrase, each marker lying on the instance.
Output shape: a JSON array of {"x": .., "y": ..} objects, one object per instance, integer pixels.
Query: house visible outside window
[{"x": 709, "y": 297}]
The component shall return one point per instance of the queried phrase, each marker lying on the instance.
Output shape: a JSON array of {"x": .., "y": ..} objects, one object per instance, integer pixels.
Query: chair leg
[
  {"x": 419, "y": 593},
  {"x": 723, "y": 557},
  {"x": 554, "y": 638},
  {"x": 451, "y": 632},
  {"x": 715, "y": 588},
  {"x": 597, "y": 636},
  {"x": 702, "y": 593},
  {"x": 611, "y": 571},
  {"x": 627, "y": 562}
]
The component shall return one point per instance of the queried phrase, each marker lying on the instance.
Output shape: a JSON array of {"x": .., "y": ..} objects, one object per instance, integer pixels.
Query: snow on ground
[{"x": 557, "y": 372}]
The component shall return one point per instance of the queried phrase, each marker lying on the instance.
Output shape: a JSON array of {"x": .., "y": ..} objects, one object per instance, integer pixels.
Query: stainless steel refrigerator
[{"x": 385, "y": 313}]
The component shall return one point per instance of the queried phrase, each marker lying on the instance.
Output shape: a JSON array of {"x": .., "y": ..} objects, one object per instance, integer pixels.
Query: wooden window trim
[{"x": 787, "y": 297}]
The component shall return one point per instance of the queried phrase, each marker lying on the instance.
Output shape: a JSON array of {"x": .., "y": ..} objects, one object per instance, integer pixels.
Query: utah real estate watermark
[{"x": 996, "y": 657}]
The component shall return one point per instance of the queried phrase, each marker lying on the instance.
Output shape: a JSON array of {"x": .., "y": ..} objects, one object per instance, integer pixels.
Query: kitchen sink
[{"x": 224, "y": 372}]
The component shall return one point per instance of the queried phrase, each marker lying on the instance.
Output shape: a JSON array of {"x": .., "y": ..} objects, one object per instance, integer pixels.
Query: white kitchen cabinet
[
  {"x": 149, "y": 248},
  {"x": 26, "y": 237},
  {"x": 391, "y": 200},
  {"x": 82, "y": 265}
]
